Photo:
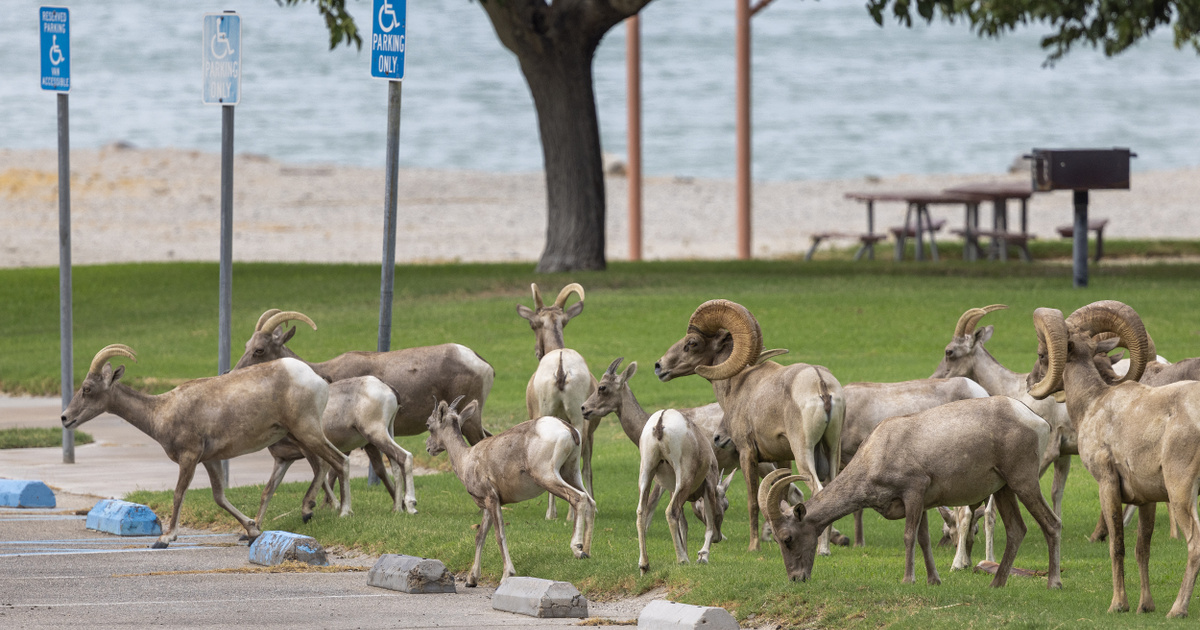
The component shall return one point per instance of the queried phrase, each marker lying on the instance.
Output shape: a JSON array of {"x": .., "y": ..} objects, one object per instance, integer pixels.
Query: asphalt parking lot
[{"x": 55, "y": 573}]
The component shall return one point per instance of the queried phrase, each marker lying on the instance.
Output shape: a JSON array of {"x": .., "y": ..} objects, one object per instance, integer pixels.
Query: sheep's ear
[
  {"x": 287, "y": 335},
  {"x": 983, "y": 334},
  {"x": 525, "y": 311},
  {"x": 110, "y": 375},
  {"x": 470, "y": 410},
  {"x": 630, "y": 370},
  {"x": 573, "y": 310},
  {"x": 798, "y": 510},
  {"x": 1107, "y": 345}
]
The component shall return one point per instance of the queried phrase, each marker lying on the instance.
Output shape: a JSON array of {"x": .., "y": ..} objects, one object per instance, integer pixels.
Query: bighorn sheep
[
  {"x": 1139, "y": 442},
  {"x": 519, "y": 464},
  {"x": 679, "y": 456},
  {"x": 868, "y": 404},
  {"x": 360, "y": 413},
  {"x": 210, "y": 419},
  {"x": 774, "y": 413},
  {"x": 445, "y": 371},
  {"x": 902, "y": 471},
  {"x": 546, "y": 394},
  {"x": 614, "y": 395}
]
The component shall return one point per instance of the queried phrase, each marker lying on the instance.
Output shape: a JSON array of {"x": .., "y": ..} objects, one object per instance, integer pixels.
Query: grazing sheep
[
  {"x": 902, "y": 471},
  {"x": 210, "y": 419},
  {"x": 868, "y": 404},
  {"x": 1139, "y": 442},
  {"x": 445, "y": 371},
  {"x": 517, "y": 465},
  {"x": 773, "y": 413},
  {"x": 678, "y": 455}
]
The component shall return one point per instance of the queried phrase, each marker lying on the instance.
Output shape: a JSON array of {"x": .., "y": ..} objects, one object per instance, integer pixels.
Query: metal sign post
[
  {"x": 54, "y": 25},
  {"x": 221, "y": 65},
  {"x": 388, "y": 30}
]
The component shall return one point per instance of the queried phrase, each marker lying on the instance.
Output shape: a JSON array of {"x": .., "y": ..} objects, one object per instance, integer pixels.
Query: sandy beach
[{"x": 151, "y": 205}]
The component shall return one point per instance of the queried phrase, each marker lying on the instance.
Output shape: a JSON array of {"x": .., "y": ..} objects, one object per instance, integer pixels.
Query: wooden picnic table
[
  {"x": 998, "y": 193},
  {"x": 917, "y": 222}
]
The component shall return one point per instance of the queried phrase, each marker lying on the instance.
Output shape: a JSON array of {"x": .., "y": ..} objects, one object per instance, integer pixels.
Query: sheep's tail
[
  {"x": 560, "y": 377},
  {"x": 826, "y": 397},
  {"x": 658, "y": 428}
]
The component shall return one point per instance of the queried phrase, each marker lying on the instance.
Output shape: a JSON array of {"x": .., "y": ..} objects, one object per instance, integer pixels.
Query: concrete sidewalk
[{"x": 54, "y": 572}]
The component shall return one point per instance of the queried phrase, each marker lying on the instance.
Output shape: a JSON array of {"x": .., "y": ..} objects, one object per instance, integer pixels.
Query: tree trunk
[
  {"x": 554, "y": 43},
  {"x": 566, "y": 107}
]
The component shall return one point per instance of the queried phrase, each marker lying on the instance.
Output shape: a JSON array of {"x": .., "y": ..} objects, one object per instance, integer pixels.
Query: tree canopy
[{"x": 1112, "y": 25}]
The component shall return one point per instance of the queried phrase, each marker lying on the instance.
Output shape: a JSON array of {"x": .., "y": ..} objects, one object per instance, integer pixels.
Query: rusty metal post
[
  {"x": 743, "y": 128},
  {"x": 633, "y": 80}
]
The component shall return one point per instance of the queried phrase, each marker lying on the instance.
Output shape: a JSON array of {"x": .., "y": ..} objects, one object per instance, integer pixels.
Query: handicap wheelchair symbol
[
  {"x": 387, "y": 9},
  {"x": 223, "y": 39},
  {"x": 56, "y": 54}
]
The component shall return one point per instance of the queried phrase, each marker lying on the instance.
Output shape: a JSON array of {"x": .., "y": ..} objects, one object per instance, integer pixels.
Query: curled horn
[
  {"x": 712, "y": 316},
  {"x": 771, "y": 491},
  {"x": 1119, "y": 318},
  {"x": 537, "y": 297},
  {"x": 108, "y": 352},
  {"x": 286, "y": 316},
  {"x": 968, "y": 321},
  {"x": 1052, "y": 331},
  {"x": 612, "y": 367},
  {"x": 267, "y": 314},
  {"x": 566, "y": 292}
]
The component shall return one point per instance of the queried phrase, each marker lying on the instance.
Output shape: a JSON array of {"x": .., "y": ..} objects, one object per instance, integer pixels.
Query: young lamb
[
  {"x": 360, "y": 413},
  {"x": 678, "y": 455},
  {"x": 517, "y": 465},
  {"x": 902, "y": 471}
]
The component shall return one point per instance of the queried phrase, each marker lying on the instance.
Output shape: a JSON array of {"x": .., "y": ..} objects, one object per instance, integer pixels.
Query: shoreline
[{"x": 160, "y": 205}]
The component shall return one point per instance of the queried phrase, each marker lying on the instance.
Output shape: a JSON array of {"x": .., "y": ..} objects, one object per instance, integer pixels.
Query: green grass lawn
[
  {"x": 31, "y": 437},
  {"x": 878, "y": 322}
]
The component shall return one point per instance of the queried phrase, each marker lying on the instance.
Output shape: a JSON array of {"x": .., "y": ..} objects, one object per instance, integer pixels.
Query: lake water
[{"x": 834, "y": 94}]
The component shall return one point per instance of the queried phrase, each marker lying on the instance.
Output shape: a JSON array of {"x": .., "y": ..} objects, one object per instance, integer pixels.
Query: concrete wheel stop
[
  {"x": 24, "y": 493},
  {"x": 410, "y": 574},
  {"x": 661, "y": 614},
  {"x": 276, "y": 547},
  {"x": 539, "y": 598},
  {"x": 123, "y": 518}
]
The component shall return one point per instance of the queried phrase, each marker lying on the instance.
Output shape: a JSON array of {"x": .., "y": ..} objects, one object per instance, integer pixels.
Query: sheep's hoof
[
  {"x": 839, "y": 539},
  {"x": 702, "y": 558},
  {"x": 934, "y": 581},
  {"x": 1119, "y": 608},
  {"x": 1146, "y": 608},
  {"x": 243, "y": 538},
  {"x": 250, "y": 539},
  {"x": 644, "y": 568},
  {"x": 471, "y": 582},
  {"x": 1177, "y": 614},
  {"x": 411, "y": 508},
  {"x": 158, "y": 544},
  {"x": 304, "y": 518}
]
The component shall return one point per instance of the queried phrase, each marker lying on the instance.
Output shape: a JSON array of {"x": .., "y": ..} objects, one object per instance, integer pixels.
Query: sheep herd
[{"x": 975, "y": 433}]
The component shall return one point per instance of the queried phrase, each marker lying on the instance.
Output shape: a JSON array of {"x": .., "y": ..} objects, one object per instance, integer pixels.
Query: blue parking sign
[
  {"x": 55, "y": 28},
  {"x": 387, "y": 39},
  {"x": 221, "y": 61}
]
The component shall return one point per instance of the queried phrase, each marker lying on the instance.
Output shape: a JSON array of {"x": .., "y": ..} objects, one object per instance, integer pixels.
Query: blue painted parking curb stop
[
  {"x": 24, "y": 493},
  {"x": 276, "y": 547},
  {"x": 123, "y": 519}
]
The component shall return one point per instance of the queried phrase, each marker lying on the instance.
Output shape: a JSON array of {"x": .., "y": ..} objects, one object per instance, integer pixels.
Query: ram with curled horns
[
  {"x": 1139, "y": 442},
  {"x": 447, "y": 371},
  {"x": 773, "y": 413}
]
